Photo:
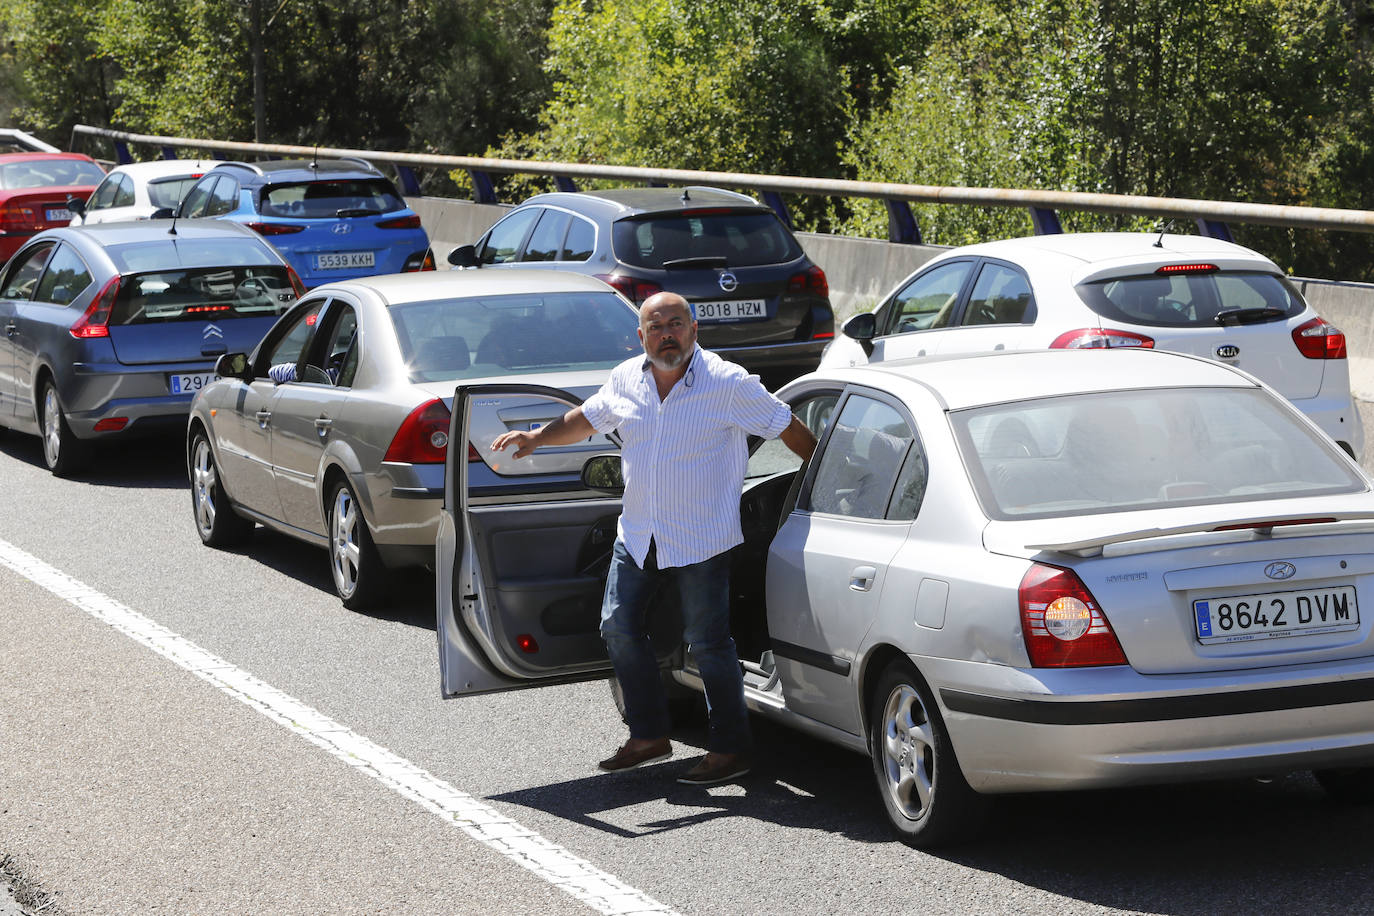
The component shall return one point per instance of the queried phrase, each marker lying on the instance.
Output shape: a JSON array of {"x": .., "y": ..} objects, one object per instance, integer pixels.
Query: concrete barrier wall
[{"x": 861, "y": 271}]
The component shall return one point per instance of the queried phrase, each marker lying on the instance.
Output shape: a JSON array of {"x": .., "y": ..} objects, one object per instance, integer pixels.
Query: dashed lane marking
[{"x": 551, "y": 862}]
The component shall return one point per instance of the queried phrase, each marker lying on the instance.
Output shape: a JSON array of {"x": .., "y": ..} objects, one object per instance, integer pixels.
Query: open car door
[{"x": 520, "y": 571}]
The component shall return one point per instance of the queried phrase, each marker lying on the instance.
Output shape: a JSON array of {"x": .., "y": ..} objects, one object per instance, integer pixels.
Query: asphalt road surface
[{"x": 193, "y": 731}]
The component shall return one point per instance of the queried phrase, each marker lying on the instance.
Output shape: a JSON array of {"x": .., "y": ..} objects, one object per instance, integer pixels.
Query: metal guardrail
[{"x": 1210, "y": 216}]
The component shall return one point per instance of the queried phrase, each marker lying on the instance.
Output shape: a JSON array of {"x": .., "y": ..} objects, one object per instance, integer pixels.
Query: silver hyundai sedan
[
  {"x": 110, "y": 330},
  {"x": 335, "y": 429},
  {"x": 1013, "y": 572}
]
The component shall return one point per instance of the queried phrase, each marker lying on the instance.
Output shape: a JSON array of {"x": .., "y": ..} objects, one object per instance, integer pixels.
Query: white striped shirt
[{"x": 684, "y": 456}]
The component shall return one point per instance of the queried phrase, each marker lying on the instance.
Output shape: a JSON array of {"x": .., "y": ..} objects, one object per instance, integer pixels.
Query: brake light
[
  {"x": 274, "y": 228},
  {"x": 1061, "y": 622},
  {"x": 1100, "y": 339},
  {"x": 1319, "y": 339},
  {"x": 296, "y": 283},
  {"x": 93, "y": 323},
  {"x": 423, "y": 436},
  {"x": 420, "y": 260},
  {"x": 811, "y": 280},
  {"x": 634, "y": 290},
  {"x": 197, "y": 309},
  {"x": 1187, "y": 269},
  {"x": 401, "y": 222},
  {"x": 17, "y": 218}
]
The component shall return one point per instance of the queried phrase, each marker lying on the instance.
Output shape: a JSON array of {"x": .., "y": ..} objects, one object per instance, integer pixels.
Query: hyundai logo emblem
[
  {"x": 1228, "y": 351},
  {"x": 341, "y": 229},
  {"x": 728, "y": 282},
  {"x": 1280, "y": 570},
  {"x": 211, "y": 331}
]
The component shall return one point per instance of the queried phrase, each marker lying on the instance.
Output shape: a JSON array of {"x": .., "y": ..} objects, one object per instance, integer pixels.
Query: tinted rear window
[
  {"x": 168, "y": 192},
  {"x": 136, "y": 257},
  {"x": 743, "y": 239},
  {"x": 331, "y": 199},
  {"x": 1193, "y": 300},
  {"x": 1144, "y": 449},
  {"x": 49, "y": 173},
  {"x": 202, "y": 294},
  {"x": 474, "y": 337}
]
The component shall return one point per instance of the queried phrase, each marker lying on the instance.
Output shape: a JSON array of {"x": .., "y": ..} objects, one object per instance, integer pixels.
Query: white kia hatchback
[{"x": 1185, "y": 293}]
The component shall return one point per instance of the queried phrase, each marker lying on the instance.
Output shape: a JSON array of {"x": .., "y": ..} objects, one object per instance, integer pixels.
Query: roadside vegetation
[{"x": 1252, "y": 100}]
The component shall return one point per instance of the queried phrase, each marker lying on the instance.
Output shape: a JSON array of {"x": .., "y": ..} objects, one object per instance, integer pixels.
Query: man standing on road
[{"x": 684, "y": 415}]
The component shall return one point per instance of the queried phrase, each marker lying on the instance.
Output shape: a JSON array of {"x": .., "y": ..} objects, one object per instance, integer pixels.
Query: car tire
[
  {"x": 1350, "y": 785},
  {"x": 927, "y": 799},
  {"x": 353, "y": 560},
  {"x": 63, "y": 453},
  {"x": 216, "y": 521}
]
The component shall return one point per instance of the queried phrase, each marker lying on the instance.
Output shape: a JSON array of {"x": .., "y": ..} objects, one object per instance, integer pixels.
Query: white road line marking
[{"x": 551, "y": 862}]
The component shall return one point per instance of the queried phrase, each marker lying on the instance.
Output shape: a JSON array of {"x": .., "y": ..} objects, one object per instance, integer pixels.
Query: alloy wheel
[{"x": 908, "y": 747}]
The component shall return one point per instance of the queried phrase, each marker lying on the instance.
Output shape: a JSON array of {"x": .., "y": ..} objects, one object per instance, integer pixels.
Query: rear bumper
[
  {"x": 1017, "y": 730},
  {"x": 93, "y": 392},
  {"x": 803, "y": 356}
]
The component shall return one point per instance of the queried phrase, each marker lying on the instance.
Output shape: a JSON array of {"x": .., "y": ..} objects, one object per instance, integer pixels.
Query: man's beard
[{"x": 671, "y": 359}]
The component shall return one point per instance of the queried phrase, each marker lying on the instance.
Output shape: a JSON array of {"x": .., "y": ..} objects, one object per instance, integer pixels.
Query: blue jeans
[{"x": 704, "y": 591}]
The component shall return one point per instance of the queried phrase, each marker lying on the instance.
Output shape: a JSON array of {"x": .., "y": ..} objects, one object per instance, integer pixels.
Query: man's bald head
[{"x": 666, "y": 330}]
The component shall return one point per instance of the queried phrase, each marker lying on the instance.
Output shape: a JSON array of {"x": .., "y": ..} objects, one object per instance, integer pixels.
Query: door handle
[
  {"x": 263, "y": 417},
  {"x": 861, "y": 579},
  {"x": 322, "y": 425}
]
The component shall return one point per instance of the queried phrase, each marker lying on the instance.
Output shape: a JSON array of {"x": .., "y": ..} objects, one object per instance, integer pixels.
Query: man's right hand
[{"x": 523, "y": 441}]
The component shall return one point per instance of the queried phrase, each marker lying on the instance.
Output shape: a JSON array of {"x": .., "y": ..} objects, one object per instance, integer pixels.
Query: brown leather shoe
[
  {"x": 716, "y": 768},
  {"x": 636, "y": 753}
]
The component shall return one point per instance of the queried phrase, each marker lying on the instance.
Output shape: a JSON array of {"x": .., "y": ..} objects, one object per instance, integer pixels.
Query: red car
[{"x": 34, "y": 188}]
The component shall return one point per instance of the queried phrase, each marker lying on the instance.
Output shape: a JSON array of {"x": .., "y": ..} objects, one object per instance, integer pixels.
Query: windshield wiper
[
  {"x": 690, "y": 263},
  {"x": 1255, "y": 315},
  {"x": 357, "y": 211}
]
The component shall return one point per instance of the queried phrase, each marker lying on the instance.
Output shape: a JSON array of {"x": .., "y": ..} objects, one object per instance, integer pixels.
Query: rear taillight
[
  {"x": 296, "y": 282},
  {"x": 401, "y": 222},
  {"x": 1187, "y": 269},
  {"x": 811, "y": 280},
  {"x": 94, "y": 322},
  {"x": 634, "y": 290},
  {"x": 18, "y": 218},
  {"x": 1099, "y": 339},
  {"x": 274, "y": 228},
  {"x": 1319, "y": 339},
  {"x": 472, "y": 453},
  {"x": 423, "y": 436},
  {"x": 1061, "y": 622},
  {"x": 420, "y": 260}
]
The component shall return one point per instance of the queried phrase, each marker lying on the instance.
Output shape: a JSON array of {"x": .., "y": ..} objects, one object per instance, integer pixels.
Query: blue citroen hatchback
[{"x": 333, "y": 219}]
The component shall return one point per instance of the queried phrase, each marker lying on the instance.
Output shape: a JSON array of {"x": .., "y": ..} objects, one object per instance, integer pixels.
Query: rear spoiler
[{"x": 1257, "y": 526}]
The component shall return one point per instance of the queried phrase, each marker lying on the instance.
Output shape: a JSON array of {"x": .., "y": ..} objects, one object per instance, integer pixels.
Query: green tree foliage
[{"x": 54, "y": 73}]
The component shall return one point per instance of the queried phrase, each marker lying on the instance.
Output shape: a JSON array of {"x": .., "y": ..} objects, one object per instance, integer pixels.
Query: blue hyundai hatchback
[{"x": 333, "y": 219}]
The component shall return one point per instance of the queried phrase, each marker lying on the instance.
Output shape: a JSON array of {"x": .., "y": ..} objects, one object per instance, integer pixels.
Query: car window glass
[
  {"x": 65, "y": 279},
  {"x": 1001, "y": 295},
  {"x": 857, "y": 473},
  {"x": 333, "y": 357},
  {"x": 51, "y": 172},
  {"x": 1152, "y": 449},
  {"x": 1184, "y": 299},
  {"x": 124, "y": 192},
  {"x": 742, "y": 238},
  {"x": 505, "y": 237},
  {"x": 194, "y": 205},
  {"x": 21, "y": 280},
  {"x": 772, "y": 456},
  {"x": 911, "y": 484},
  {"x": 547, "y": 238},
  {"x": 198, "y": 293},
  {"x": 168, "y": 192},
  {"x": 331, "y": 198},
  {"x": 929, "y": 300},
  {"x": 224, "y": 197},
  {"x": 104, "y": 194},
  {"x": 580, "y": 242},
  {"x": 286, "y": 350}
]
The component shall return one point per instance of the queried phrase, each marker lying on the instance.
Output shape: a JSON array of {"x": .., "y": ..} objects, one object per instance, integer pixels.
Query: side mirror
[
  {"x": 233, "y": 365},
  {"x": 464, "y": 256},
  {"x": 163, "y": 213},
  {"x": 77, "y": 205},
  {"x": 861, "y": 327},
  {"x": 603, "y": 472}
]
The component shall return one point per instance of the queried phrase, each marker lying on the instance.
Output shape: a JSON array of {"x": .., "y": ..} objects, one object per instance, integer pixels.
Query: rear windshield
[
  {"x": 174, "y": 252},
  {"x": 1189, "y": 300},
  {"x": 742, "y": 239},
  {"x": 202, "y": 294},
  {"x": 168, "y": 192},
  {"x": 49, "y": 173},
  {"x": 1152, "y": 449},
  {"x": 331, "y": 199},
  {"x": 475, "y": 337}
]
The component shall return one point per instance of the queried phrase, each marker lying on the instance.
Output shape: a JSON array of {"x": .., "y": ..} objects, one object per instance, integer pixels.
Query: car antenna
[
  {"x": 172, "y": 230},
  {"x": 686, "y": 196},
  {"x": 315, "y": 160},
  {"x": 1163, "y": 228}
]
